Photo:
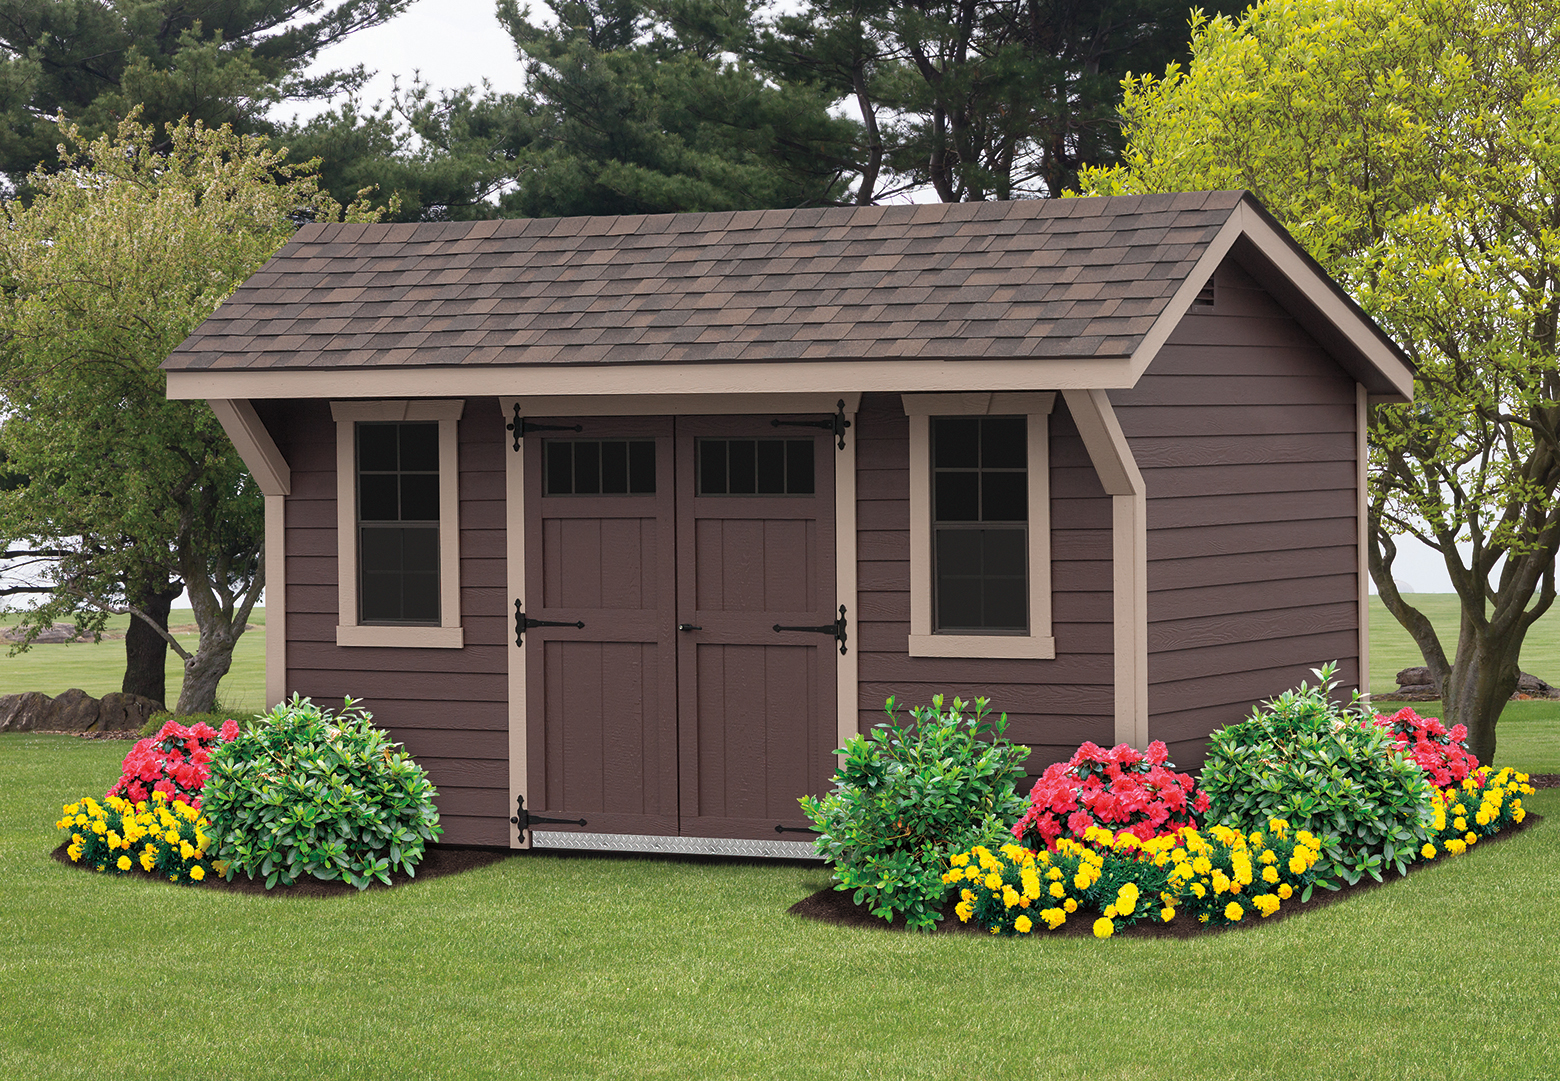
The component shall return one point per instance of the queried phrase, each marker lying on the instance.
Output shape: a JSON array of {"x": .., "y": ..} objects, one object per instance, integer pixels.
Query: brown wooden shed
[{"x": 639, "y": 518}]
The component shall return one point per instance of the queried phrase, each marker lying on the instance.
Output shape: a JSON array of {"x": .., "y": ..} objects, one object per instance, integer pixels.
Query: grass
[
  {"x": 1392, "y": 649},
  {"x": 574, "y": 967},
  {"x": 99, "y": 667}
]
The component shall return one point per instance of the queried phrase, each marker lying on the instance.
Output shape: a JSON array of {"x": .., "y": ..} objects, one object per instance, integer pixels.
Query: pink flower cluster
[
  {"x": 1121, "y": 789},
  {"x": 1441, "y": 752},
  {"x": 175, "y": 762}
]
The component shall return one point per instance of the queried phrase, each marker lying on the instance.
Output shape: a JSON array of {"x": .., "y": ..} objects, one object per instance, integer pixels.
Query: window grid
[
  {"x": 398, "y": 523},
  {"x": 980, "y": 532}
]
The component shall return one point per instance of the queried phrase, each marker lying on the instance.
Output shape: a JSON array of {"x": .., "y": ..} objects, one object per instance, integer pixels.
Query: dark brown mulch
[
  {"x": 438, "y": 861},
  {"x": 835, "y": 906},
  {"x": 1544, "y": 780}
]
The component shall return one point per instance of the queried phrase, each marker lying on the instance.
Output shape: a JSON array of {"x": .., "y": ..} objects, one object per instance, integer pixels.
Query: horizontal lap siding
[
  {"x": 1244, "y": 429},
  {"x": 1052, "y": 705},
  {"x": 448, "y": 706}
]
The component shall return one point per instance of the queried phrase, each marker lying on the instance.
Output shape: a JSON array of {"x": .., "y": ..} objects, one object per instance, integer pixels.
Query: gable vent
[{"x": 1205, "y": 298}]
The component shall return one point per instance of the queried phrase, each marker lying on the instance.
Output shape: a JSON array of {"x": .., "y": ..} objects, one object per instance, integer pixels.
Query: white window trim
[
  {"x": 1039, "y": 642},
  {"x": 449, "y": 635}
]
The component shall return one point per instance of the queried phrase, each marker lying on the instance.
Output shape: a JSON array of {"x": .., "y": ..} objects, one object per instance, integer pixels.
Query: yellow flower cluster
[
  {"x": 1008, "y": 890},
  {"x": 1486, "y": 802},
  {"x": 162, "y": 838}
]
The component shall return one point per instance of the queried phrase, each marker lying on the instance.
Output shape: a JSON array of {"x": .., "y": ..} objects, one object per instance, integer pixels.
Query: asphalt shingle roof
[{"x": 1033, "y": 278}]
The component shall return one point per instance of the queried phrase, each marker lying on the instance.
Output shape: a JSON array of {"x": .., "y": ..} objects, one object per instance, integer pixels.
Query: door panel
[
  {"x": 756, "y": 705},
  {"x": 602, "y": 700}
]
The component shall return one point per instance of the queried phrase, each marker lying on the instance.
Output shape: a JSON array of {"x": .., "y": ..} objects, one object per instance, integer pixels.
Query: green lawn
[
  {"x": 99, "y": 667},
  {"x": 578, "y": 967},
  {"x": 1392, "y": 650}
]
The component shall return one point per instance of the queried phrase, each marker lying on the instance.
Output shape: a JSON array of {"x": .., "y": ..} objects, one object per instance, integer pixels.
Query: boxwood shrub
[
  {"x": 906, "y": 798},
  {"x": 304, "y": 792},
  {"x": 1324, "y": 767}
]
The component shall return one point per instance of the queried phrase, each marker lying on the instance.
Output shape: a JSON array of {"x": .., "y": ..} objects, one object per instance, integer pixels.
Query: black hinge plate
[
  {"x": 835, "y": 630},
  {"x": 836, "y": 424},
  {"x": 520, "y": 426},
  {"x": 523, "y": 818},
  {"x": 524, "y": 623}
]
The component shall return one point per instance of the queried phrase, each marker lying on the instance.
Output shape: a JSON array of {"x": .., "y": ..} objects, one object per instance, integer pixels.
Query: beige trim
[
  {"x": 448, "y": 635},
  {"x": 276, "y": 599},
  {"x": 514, "y": 554},
  {"x": 254, "y": 444},
  {"x": 679, "y": 405},
  {"x": 1362, "y": 481},
  {"x": 783, "y": 377},
  {"x": 402, "y": 637},
  {"x": 847, "y": 697},
  {"x": 1039, "y": 642},
  {"x": 1118, "y": 472}
]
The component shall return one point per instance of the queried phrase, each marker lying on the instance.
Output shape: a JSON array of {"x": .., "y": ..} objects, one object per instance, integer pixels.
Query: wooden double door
[{"x": 680, "y": 544}]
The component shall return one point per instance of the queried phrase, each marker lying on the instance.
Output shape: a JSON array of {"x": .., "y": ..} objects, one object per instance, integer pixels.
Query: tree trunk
[
  {"x": 1482, "y": 679},
  {"x": 146, "y": 651},
  {"x": 204, "y": 670}
]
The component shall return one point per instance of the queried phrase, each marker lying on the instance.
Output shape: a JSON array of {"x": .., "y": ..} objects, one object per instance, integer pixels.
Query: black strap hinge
[
  {"x": 520, "y": 426},
  {"x": 835, "y": 629},
  {"x": 524, "y": 623},
  {"x": 795, "y": 829},
  {"x": 836, "y": 424},
  {"x": 523, "y": 818}
]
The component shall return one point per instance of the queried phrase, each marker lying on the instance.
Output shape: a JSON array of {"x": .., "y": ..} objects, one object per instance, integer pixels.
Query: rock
[
  {"x": 1417, "y": 685},
  {"x": 22, "y": 712},
  {"x": 1534, "y": 687},
  {"x": 49, "y": 636},
  {"x": 120, "y": 712},
  {"x": 73, "y": 711},
  {"x": 1417, "y": 678}
]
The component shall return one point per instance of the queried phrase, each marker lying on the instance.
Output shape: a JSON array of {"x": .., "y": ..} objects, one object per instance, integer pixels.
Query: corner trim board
[
  {"x": 1362, "y": 452},
  {"x": 276, "y": 599},
  {"x": 514, "y": 555},
  {"x": 847, "y": 698}
]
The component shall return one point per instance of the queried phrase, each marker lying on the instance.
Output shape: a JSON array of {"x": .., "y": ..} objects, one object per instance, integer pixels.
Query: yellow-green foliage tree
[
  {"x": 1413, "y": 148},
  {"x": 133, "y": 240}
]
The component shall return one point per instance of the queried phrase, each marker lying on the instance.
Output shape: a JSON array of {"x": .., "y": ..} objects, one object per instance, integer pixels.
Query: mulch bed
[
  {"x": 835, "y": 906},
  {"x": 438, "y": 861}
]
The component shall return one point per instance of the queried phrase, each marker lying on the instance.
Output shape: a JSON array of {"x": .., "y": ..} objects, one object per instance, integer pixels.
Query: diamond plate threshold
[{"x": 685, "y": 846}]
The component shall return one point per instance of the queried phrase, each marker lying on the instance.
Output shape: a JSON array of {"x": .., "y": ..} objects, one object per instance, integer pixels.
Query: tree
[
  {"x": 1413, "y": 148},
  {"x": 979, "y": 99},
  {"x": 219, "y": 63},
  {"x": 129, "y": 244}
]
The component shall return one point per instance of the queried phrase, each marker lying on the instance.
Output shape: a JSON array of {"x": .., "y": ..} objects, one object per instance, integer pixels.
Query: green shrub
[
  {"x": 215, "y": 718},
  {"x": 907, "y": 798},
  {"x": 303, "y": 792},
  {"x": 1305, "y": 758}
]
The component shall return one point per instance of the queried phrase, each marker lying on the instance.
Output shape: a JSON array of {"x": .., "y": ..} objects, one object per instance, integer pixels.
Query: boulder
[
  {"x": 49, "y": 636},
  {"x": 1418, "y": 678},
  {"x": 73, "y": 711},
  {"x": 1417, "y": 685},
  {"x": 22, "y": 712},
  {"x": 1534, "y": 687},
  {"x": 119, "y": 712}
]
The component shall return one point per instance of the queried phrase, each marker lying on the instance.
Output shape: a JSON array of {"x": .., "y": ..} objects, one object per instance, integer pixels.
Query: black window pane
[
  {"x": 587, "y": 468},
  {"x": 614, "y": 468},
  {"x": 420, "y": 551},
  {"x": 380, "y": 552},
  {"x": 799, "y": 467},
  {"x": 378, "y": 498},
  {"x": 1003, "y": 552},
  {"x": 959, "y": 551},
  {"x": 956, "y": 441},
  {"x": 1005, "y": 605},
  {"x": 419, "y": 497},
  {"x": 376, "y": 447},
  {"x": 380, "y": 598},
  {"x": 419, "y": 446},
  {"x": 742, "y": 478},
  {"x": 1004, "y": 496},
  {"x": 771, "y": 467},
  {"x": 1003, "y": 443},
  {"x": 641, "y": 467},
  {"x": 957, "y": 497},
  {"x": 560, "y": 467},
  {"x": 712, "y": 467},
  {"x": 420, "y": 598}
]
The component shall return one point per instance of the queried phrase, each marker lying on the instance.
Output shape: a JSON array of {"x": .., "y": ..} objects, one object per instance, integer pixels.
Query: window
[
  {"x": 980, "y": 558},
  {"x": 756, "y": 467},
  {"x": 599, "y": 466},
  {"x": 397, "y": 522}
]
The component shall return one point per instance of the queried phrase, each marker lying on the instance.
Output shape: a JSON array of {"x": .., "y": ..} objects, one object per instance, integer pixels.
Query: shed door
[{"x": 638, "y": 727}]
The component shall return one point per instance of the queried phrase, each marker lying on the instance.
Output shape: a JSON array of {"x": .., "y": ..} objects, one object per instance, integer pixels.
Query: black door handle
[{"x": 688, "y": 627}]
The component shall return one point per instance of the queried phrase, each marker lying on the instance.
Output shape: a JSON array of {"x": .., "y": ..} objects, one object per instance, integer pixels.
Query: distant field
[{"x": 99, "y": 667}]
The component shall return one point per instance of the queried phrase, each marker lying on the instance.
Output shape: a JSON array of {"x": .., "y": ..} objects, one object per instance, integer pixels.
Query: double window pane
[
  {"x": 599, "y": 466},
  {"x": 756, "y": 467},
  {"x": 398, "y": 522},
  {"x": 980, "y": 516}
]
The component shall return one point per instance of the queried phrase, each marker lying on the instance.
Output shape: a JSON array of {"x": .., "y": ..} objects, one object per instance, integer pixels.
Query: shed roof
[{"x": 1057, "y": 278}]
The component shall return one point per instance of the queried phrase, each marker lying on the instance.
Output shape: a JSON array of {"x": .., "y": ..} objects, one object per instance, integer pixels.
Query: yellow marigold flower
[
  {"x": 1031, "y": 880},
  {"x": 1054, "y": 874},
  {"x": 1053, "y": 917},
  {"x": 1233, "y": 912},
  {"x": 1023, "y": 924},
  {"x": 1270, "y": 874},
  {"x": 1202, "y": 865},
  {"x": 1009, "y": 896},
  {"x": 1519, "y": 814},
  {"x": 74, "y": 852},
  {"x": 1427, "y": 851},
  {"x": 1459, "y": 823},
  {"x": 1266, "y": 904},
  {"x": 964, "y": 910},
  {"x": 1198, "y": 891},
  {"x": 993, "y": 882},
  {"x": 1483, "y": 817},
  {"x": 1167, "y": 913},
  {"x": 1221, "y": 882},
  {"x": 1471, "y": 837},
  {"x": 949, "y": 876},
  {"x": 1103, "y": 928},
  {"x": 967, "y": 895},
  {"x": 1278, "y": 825},
  {"x": 1068, "y": 906},
  {"x": 1012, "y": 851},
  {"x": 99, "y": 827},
  {"x": 1285, "y": 890},
  {"x": 1057, "y": 890},
  {"x": 1296, "y": 864},
  {"x": 172, "y": 837},
  {"x": 124, "y": 863},
  {"x": 148, "y": 861},
  {"x": 972, "y": 874},
  {"x": 1081, "y": 881},
  {"x": 1110, "y": 912},
  {"x": 1269, "y": 856}
]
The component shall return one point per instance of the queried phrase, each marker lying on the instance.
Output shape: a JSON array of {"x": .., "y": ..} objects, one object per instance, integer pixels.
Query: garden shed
[{"x": 626, "y": 523}]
